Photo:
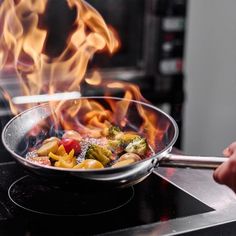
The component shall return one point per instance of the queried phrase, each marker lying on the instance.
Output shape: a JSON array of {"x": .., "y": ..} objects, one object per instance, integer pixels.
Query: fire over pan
[{"x": 17, "y": 128}]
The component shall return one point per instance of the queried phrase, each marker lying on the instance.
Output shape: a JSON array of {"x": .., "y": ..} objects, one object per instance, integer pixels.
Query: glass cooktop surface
[{"x": 27, "y": 207}]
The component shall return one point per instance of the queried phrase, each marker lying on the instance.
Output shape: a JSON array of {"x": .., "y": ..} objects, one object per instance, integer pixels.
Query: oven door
[
  {"x": 136, "y": 25},
  {"x": 127, "y": 18}
]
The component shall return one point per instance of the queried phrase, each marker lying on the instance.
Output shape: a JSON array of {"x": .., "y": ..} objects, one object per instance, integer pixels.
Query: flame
[
  {"x": 96, "y": 79},
  {"x": 22, "y": 45}
]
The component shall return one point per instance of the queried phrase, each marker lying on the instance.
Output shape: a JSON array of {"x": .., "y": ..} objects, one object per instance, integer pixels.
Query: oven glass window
[{"x": 127, "y": 18}]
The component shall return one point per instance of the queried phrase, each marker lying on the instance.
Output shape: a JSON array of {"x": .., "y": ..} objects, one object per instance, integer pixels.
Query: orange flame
[{"x": 22, "y": 44}]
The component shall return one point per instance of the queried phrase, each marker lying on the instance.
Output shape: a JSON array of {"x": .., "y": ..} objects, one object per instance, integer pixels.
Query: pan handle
[{"x": 172, "y": 160}]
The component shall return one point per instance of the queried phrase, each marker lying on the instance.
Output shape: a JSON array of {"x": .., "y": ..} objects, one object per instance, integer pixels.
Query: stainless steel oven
[
  {"x": 152, "y": 41},
  {"x": 151, "y": 33}
]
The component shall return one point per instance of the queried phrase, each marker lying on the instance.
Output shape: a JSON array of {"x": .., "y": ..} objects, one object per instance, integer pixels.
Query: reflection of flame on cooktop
[{"x": 41, "y": 199}]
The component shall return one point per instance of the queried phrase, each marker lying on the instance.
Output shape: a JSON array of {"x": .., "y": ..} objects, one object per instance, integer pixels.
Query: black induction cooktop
[{"x": 28, "y": 207}]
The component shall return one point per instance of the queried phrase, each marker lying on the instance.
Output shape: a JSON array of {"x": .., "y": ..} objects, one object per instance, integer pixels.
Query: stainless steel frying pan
[{"x": 18, "y": 127}]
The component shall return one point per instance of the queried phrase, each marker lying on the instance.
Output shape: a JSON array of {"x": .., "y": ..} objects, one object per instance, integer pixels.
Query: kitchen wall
[{"x": 210, "y": 112}]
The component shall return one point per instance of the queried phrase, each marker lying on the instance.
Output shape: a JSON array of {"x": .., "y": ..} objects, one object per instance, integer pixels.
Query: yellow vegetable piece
[
  {"x": 123, "y": 163},
  {"x": 61, "y": 151},
  {"x": 89, "y": 164},
  {"x": 54, "y": 156},
  {"x": 67, "y": 163},
  {"x": 46, "y": 148},
  {"x": 71, "y": 153}
]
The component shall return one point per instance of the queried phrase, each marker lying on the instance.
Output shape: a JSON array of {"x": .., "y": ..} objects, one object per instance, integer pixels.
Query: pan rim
[{"x": 157, "y": 155}]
